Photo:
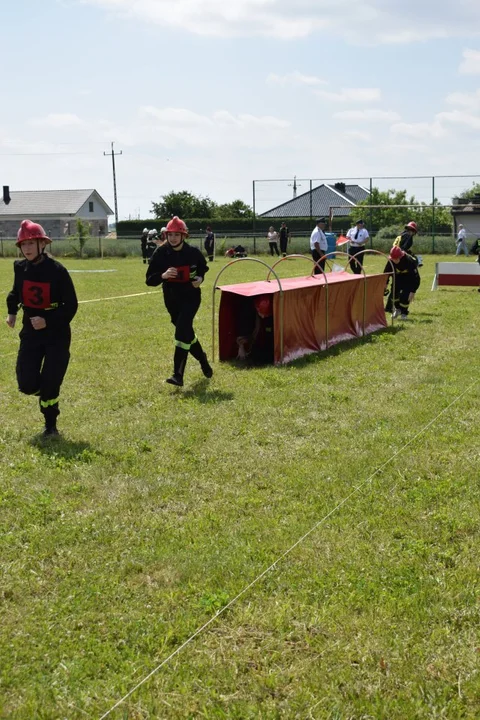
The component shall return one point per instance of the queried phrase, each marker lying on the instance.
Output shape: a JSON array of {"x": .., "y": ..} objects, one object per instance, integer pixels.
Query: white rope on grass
[
  {"x": 287, "y": 552},
  {"x": 119, "y": 297}
]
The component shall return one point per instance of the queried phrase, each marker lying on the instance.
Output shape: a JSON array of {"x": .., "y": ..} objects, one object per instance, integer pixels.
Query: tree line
[{"x": 187, "y": 205}]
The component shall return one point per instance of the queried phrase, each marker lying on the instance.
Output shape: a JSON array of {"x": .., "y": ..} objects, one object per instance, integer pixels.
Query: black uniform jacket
[
  {"x": 190, "y": 263},
  {"x": 44, "y": 290},
  {"x": 406, "y": 272}
]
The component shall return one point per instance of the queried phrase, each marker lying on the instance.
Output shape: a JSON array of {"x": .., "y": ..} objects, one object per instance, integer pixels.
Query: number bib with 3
[{"x": 36, "y": 295}]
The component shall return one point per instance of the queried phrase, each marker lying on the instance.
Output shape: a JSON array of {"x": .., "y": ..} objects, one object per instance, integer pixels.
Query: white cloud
[
  {"x": 465, "y": 100},
  {"x": 358, "y": 95},
  {"x": 471, "y": 63},
  {"x": 172, "y": 126},
  {"x": 56, "y": 120},
  {"x": 295, "y": 78},
  {"x": 419, "y": 129},
  {"x": 367, "y": 115},
  {"x": 457, "y": 117},
  {"x": 369, "y": 22},
  {"x": 357, "y": 135}
]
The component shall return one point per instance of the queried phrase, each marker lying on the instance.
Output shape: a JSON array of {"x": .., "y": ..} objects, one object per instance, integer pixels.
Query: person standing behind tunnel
[
  {"x": 272, "y": 237},
  {"x": 319, "y": 245},
  {"x": 357, "y": 236},
  {"x": 209, "y": 243},
  {"x": 405, "y": 240}
]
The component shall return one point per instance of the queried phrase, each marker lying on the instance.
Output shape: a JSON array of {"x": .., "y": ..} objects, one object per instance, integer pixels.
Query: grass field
[{"x": 159, "y": 506}]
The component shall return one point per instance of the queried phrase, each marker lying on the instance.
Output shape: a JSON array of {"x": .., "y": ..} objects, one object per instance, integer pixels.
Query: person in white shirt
[
  {"x": 319, "y": 245},
  {"x": 357, "y": 237},
  {"x": 272, "y": 237},
  {"x": 461, "y": 241}
]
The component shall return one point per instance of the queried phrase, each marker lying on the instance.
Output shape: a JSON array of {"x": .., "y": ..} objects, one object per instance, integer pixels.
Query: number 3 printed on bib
[{"x": 36, "y": 294}]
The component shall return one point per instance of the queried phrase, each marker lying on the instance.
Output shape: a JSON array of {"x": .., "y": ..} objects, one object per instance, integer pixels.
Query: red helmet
[
  {"x": 396, "y": 253},
  {"x": 412, "y": 226},
  {"x": 31, "y": 231},
  {"x": 263, "y": 305},
  {"x": 177, "y": 226}
]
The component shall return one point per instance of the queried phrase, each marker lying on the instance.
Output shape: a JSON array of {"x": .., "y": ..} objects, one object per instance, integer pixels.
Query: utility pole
[
  {"x": 294, "y": 186},
  {"x": 112, "y": 153}
]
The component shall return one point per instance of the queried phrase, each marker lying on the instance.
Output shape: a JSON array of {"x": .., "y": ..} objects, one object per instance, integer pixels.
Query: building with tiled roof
[
  {"x": 56, "y": 210},
  {"x": 319, "y": 201}
]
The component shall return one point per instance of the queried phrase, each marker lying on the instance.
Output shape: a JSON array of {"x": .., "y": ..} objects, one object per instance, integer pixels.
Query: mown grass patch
[{"x": 158, "y": 506}]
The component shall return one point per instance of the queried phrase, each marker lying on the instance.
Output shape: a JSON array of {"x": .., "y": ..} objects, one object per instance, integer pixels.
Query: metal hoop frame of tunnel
[{"x": 215, "y": 287}]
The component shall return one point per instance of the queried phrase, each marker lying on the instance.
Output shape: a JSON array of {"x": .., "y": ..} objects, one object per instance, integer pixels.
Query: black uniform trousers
[
  {"x": 42, "y": 362},
  {"x": 283, "y": 245},
  {"x": 182, "y": 311},
  {"x": 209, "y": 248},
  {"x": 316, "y": 257},
  {"x": 401, "y": 300},
  {"x": 356, "y": 263}
]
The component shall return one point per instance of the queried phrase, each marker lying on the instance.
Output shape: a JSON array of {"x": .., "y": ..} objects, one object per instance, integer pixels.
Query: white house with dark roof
[
  {"x": 56, "y": 210},
  {"x": 318, "y": 202}
]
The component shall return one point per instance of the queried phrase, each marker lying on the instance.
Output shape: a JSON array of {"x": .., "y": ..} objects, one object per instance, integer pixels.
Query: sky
[{"x": 210, "y": 95}]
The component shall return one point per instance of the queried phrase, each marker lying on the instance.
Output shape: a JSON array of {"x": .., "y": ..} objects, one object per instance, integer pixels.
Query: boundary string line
[
  {"x": 287, "y": 552},
  {"x": 119, "y": 297}
]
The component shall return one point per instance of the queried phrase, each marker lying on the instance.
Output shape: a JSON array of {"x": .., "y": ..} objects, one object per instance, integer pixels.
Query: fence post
[
  {"x": 371, "y": 214},
  {"x": 253, "y": 220},
  {"x": 433, "y": 214}
]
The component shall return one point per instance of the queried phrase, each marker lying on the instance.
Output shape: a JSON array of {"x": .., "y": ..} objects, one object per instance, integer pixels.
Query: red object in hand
[
  {"x": 183, "y": 274},
  {"x": 341, "y": 240}
]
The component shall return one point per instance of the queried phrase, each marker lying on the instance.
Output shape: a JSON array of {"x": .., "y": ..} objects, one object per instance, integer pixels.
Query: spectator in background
[
  {"x": 461, "y": 241},
  {"x": 272, "y": 237},
  {"x": 143, "y": 244},
  {"x": 357, "y": 237},
  {"x": 209, "y": 243},
  {"x": 284, "y": 238},
  {"x": 319, "y": 245}
]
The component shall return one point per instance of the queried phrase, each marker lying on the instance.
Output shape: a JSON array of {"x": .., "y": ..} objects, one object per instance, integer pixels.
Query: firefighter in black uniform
[
  {"x": 43, "y": 287},
  {"x": 209, "y": 243},
  {"x": 143, "y": 245},
  {"x": 407, "y": 282},
  {"x": 405, "y": 240},
  {"x": 180, "y": 268},
  {"x": 151, "y": 244},
  {"x": 255, "y": 339}
]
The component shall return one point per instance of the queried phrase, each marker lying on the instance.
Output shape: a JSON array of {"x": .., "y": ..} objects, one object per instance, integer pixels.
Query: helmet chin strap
[{"x": 176, "y": 247}]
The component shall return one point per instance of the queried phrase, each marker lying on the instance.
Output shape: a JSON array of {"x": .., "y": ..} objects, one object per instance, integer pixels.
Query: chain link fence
[{"x": 254, "y": 244}]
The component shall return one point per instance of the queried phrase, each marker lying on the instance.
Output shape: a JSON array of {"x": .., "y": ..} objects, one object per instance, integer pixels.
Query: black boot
[
  {"x": 179, "y": 362},
  {"x": 199, "y": 354},
  {"x": 50, "y": 414}
]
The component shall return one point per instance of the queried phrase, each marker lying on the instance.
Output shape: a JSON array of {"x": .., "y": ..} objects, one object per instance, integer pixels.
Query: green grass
[{"x": 160, "y": 505}]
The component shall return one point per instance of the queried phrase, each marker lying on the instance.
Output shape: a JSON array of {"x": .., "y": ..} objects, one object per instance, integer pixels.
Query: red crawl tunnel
[{"x": 310, "y": 313}]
